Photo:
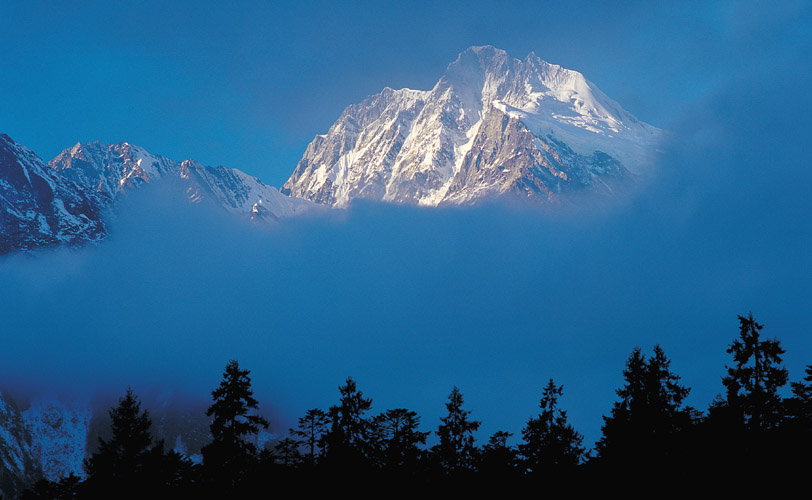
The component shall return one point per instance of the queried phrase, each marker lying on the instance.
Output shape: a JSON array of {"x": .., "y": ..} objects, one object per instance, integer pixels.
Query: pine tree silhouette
[
  {"x": 643, "y": 426},
  {"x": 231, "y": 455},
  {"x": 118, "y": 464},
  {"x": 397, "y": 440},
  {"x": 129, "y": 464},
  {"x": 456, "y": 451},
  {"x": 311, "y": 430},
  {"x": 550, "y": 443},
  {"x": 753, "y": 383},
  {"x": 347, "y": 441}
]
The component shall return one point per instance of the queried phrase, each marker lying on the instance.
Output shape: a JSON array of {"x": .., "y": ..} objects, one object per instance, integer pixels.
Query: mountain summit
[{"x": 492, "y": 126}]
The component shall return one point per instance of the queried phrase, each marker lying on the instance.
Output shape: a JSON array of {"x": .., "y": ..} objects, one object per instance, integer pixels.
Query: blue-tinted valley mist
[{"x": 410, "y": 302}]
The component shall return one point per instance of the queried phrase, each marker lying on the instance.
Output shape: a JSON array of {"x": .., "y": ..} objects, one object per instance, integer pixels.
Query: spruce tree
[
  {"x": 742, "y": 431},
  {"x": 119, "y": 462},
  {"x": 231, "y": 454},
  {"x": 550, "y": 443},
  {"x": 643, "y": 426},
  {"x": 347, "y": 441},
  {"x": 456, "y": 451},
  {"x": 129, "y": 463},
  {"x": 753, "y": 382}
]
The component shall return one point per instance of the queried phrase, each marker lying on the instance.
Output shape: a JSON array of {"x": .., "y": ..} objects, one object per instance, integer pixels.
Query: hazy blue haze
[{"x": 410, "y": 302}]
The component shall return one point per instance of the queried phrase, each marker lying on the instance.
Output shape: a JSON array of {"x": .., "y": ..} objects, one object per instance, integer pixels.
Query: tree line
[{"x": 649, "y": 435}]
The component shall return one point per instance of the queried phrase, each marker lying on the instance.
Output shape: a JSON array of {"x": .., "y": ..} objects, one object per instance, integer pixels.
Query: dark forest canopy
[{"x": 748, "y": 429}]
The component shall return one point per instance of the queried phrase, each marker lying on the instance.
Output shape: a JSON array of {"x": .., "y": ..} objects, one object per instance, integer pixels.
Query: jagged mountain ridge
[
  {"x": 40, "y": 208},
  {"x": 112, "y": 169},
  {"x": 491, "y": 126},
  {"x": 71, "y": 199}
]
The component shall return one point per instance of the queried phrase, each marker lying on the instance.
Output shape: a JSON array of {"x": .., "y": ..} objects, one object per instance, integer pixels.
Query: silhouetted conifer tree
[
  {"x": 753, "y": 382},
  {"x": 397, "y": 439},
  {"x": 456, "y": 451},
  {"x": 550, "y": 443},
  {"x": 644, "y": 424},
  {"x": 741, "y": 431},
  {"x": 287, "y": 452},
  {"x": 118, "y": 465},
  {"x": 346, "y": 442},
  {"x": 312, "y": 428},
  {"x": 231, "y": 455},
  {"x": 129, "y": 464},
  {"x": 498, "y": 460}
]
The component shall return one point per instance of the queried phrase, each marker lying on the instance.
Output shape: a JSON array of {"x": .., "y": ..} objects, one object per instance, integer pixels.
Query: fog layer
[{"x": 410, "y": 302}]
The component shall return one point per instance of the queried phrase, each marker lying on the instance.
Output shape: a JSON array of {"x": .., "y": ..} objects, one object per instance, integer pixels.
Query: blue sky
[
  {"x": 411, "y": 302},
  {"x": 248, "y": 85}
]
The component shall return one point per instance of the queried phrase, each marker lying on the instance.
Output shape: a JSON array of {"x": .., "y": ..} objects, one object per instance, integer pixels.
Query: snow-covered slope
[
  {"x": 492, "y": 125},
  {"x": 113, "y": 169},
  {"x": 71, "y": 199},
  {"x": 18, "y": 466},
  {"x": 40, "y": 208},
  {"x": 51, "y": 437},
  {"x": 46, "y": 440}
]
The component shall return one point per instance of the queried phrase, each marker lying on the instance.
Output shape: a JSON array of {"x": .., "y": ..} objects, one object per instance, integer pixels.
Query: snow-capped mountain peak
[{"x": 547, "y": 131}]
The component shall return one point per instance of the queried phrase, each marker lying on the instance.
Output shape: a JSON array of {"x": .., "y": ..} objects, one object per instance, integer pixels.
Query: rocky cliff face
[
  {"x": 492, "y": 126},
  {"x": 59, "y": 436},
  {"x": 50, "y": 438},
  {"x": 70, "y": 200},
  {"x": 111, "y": 170},
  {"x": 38, "y": 207},
  {"x": 19, "y": 467}
]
